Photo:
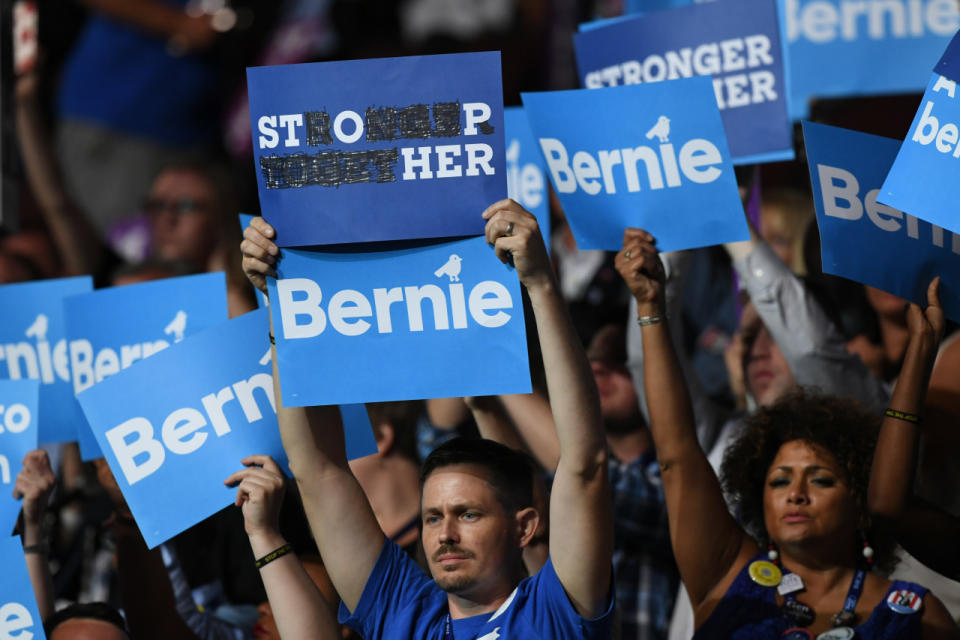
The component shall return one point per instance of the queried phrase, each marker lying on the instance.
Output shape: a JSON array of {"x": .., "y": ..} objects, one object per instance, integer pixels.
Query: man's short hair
[
  {"x": 87, "y": 611},
  {"x": 508, "y": 470}
]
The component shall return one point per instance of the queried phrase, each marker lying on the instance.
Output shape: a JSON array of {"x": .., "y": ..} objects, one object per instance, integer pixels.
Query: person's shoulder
[
  {"x": 905, "y": 597},
  {"x": 543, "y": 597},
  {"x": 395, "y": 588}
]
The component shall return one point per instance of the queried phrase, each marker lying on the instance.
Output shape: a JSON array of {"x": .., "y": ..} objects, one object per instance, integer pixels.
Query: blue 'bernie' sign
[
  {"x": 431, "y": 321},
  {"x": 641, "y": 155},
  {"x": 923, "y": 179},
  {"x": 859, "y": 236},
  {"x": 19, "y": 615},
  {"x": 33, "y": 344},
  {"x": 18, "y": 435},
  {"x": 526, "y": 175},
  {"x": 839, "y": 48},
  {"x": 384, "y": 149},
  {"x": 735, "y": 42},
  {"x": 171, "y": 451},
  {"x": 110, "y": 329}
]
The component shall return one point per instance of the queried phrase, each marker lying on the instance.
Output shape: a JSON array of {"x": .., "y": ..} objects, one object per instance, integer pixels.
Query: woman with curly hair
[{"x": 798, "y": 475}]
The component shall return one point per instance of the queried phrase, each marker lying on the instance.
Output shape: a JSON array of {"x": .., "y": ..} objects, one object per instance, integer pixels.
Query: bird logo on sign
[
  {"x": 177, "y": 326},
  {"x": 38, "y": 329},
  {"x": 451, "y": 268},
  {"x": 661, "y": 130}
]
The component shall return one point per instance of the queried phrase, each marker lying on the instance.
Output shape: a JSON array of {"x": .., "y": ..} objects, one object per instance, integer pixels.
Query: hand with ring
[
  {"x": 513, "y": 231},
  {"x": 640, "y": 267}
]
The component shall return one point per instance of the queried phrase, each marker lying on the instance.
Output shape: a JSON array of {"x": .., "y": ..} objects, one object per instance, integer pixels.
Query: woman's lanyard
[{"x": 803, "y": 615}]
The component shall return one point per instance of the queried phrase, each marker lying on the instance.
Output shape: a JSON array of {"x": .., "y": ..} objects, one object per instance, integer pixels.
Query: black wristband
[
  {"x": 42, "y": 548},
  {"x": 902, "y": 415},
  {"x": 273, "y": 555}
]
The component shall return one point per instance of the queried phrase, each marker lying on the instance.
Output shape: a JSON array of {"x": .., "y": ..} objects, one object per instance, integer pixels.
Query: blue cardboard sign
[
  {"x": 640, "y": 155},
  {"x": 858, "y": 235},
  {"x": 19, "y": 615},
  {"x": 18, "y": 435},
  {"x": 33, "y": 344},
  {"x": 923, "y": 179},
  {"x": 735, "y": 42},
  {"x": 171, "y": 451},
  {"x": 384, "y": 149},
  {"x": 838, "y": 48},
  {"x": 526, "y": 175},
  {"x": 110, "y": 329},
  {"x": 433, "y": 321}
]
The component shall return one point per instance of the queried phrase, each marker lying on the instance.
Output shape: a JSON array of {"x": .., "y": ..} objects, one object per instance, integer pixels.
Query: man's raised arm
[
  {"x": 581, "y": 540},
  {"x": 340, "y": 516}
]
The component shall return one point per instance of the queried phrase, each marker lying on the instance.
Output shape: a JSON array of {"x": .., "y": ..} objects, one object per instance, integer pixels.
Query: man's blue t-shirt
[{"x": 401, "y": 601}]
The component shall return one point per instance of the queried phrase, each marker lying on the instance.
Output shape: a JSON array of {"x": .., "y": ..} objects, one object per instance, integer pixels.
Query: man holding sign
[{"x": 476, "y": 496}]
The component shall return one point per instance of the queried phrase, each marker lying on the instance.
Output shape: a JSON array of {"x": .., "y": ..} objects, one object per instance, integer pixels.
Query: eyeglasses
[{"x": 156, "y": 206}]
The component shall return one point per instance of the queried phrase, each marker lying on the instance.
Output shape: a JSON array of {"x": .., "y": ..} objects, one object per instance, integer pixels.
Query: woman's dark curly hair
[{"x": 842, "y": 427}]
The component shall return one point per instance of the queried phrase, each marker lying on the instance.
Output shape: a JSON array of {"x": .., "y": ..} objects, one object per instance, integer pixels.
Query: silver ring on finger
[
  {"x": 509, "y": 231},
  {"x": 626, "y": 254}
]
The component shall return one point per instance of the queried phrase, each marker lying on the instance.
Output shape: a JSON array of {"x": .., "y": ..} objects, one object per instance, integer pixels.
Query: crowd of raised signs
[{"x": 792, "y": 166}]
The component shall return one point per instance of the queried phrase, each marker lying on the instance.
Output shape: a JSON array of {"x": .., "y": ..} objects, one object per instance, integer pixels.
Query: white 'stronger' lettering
[
  {"x": 708, "y": 59},
  {"x": 695, "y": 161},
  {"x": 301, "y": 298},
  {"x": 474, "y": 158},
  {"x": 841, "y": 199}
]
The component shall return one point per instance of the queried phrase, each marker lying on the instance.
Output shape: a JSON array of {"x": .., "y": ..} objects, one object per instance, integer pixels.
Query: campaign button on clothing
[
  {"x": 764, "y": 573},
  {"x": 839, "y": 633},
  {"x": 802, "y": 614},
  {"x": 904, "y": 602},
  {"x": 796, "y": 634},
  {"x": 790, "y": 583}
]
